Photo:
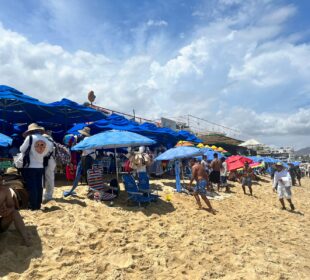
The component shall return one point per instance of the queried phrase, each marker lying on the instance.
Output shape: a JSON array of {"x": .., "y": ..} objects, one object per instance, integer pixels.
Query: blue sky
[{"x": 240, "y": 63}]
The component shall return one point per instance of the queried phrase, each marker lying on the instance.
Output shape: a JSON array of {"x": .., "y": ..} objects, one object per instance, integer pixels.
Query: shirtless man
[
  {"x": 9, "y": 214},
  {"x": 200, "y": 176},
  {"x": 215, "y": 175}
]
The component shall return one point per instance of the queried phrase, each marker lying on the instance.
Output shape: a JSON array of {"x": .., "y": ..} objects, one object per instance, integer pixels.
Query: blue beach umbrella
[
  {"x": 111, "y": 139},
  {"x": 176, "y": 154},
  {"x": 5, "y": 141},
  {"x": 179, "y": 153}
]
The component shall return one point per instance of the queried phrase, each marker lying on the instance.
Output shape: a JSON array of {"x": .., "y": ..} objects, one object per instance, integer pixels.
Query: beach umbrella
[
  {"x": 184, "y": 144},
  {"x": 5, "y": 141},
  {"x": 180, "y": 153},
  {"x": 213, "y": 147},
  {"x": 236, "y": 162},
  {"x": 176, "y": 154},
  {"x": 111, "y": 139},
  {"x": 210, "y": 154},
  {"x": 200, "y": 146}
]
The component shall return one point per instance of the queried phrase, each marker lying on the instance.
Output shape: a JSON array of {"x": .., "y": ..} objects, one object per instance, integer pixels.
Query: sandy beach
[{"x": 248, "y": 238}]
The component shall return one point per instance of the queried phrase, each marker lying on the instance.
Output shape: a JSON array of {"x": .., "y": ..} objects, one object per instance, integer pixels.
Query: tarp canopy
[
  {"x": 187, "y": 136},
  {"x": 16, "y": 107},
  {"x": 250, "y": 142},
  {"x": 71, "y": 112},
  {"x": 163, "y": 136},
  {"x": 5, "y": 141}
]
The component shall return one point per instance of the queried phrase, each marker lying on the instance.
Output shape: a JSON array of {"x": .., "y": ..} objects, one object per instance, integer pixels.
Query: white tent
[{"x": 250, "y": 143}]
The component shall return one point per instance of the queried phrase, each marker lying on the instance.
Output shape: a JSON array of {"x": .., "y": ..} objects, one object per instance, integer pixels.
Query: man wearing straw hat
[
  {"x": 282, "y": 180},
  {"x": 38, "y": 147}
]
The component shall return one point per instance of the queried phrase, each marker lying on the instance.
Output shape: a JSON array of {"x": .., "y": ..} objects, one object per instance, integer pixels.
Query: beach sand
[{"x": 248, "y": 238}]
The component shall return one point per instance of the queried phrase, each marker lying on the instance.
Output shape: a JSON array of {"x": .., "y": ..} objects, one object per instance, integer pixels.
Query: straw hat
[
  {"x": 33, "y": 128},
  {"x": 279, "y": 164},
  {"x": 11, "y": 170},
  {"x": 85, "y": 131}
]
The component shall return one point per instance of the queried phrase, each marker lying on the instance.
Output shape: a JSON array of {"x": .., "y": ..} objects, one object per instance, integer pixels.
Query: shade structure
[
  {"x": 70, "y": 112},
  {"x": 187, "y": 136},
  {"x": 113, "y": 139},
  {"x": 16, "y": 107},
  {"x": 184, "y": 144},
  {"x": 236, "y": 162},
  {"x": 5, "y": 141},
  {"x": 210, "y": 154},
  {"x": 180, "y": 153}
]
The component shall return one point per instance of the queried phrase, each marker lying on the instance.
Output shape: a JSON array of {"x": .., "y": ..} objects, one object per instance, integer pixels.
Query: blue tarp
[
  {"x": 163, "y": 136},
  {"x": 187, "y": 136},
  {"x": 71, "y": 112},
  {"x": 15, "y": 107},
  {"x": 5, "y": 141}
]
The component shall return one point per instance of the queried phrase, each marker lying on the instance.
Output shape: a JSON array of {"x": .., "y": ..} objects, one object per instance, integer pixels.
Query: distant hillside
[{"x": 303, "y": 152}]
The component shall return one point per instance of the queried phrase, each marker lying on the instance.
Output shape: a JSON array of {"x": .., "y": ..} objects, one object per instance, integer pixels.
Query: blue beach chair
[
  {"x": 132, "y": 190},
  {"x": 144, "y": 185}
]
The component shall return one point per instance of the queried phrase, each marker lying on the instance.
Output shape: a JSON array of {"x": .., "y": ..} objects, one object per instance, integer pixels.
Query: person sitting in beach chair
[{"x": 9, "y": 213}]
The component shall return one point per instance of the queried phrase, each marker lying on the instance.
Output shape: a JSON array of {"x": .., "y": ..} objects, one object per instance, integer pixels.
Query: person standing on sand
[
  {"x": 49, "y": 170},
  {"x": 283, "y": 180},
  {"x": 215, "y": 175},
  {"x": 246, "y": 180},
  {"x": 9, "y": 214},
  {"x": 38, "y": 147},
  {"x": 200, "y": 176},
  {"x": 224, "y": 174}
]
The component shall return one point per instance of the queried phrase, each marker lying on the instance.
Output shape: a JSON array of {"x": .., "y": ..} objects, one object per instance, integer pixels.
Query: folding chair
[
  {"x": 95, "y": 182},
  {"x": 144, "y": 185},
  {"x": 132, "y": 190}
]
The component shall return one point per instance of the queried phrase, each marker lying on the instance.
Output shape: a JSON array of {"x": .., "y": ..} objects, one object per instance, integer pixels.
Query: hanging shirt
[
  {"x": 39, "y": 149},
  {"x": 224, "y": 169}
]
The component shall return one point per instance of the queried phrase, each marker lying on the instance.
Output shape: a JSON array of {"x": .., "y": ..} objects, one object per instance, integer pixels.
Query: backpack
[
  {"x": 63, "y": 155},
  {"x": 22, "y": 160}
]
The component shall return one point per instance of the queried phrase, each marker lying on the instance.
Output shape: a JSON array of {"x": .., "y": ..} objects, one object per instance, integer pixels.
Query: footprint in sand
[{"x": 121, "y": 261}]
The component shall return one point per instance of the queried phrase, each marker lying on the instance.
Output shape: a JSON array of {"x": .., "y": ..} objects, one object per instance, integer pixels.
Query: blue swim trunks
[{"x": 200, "y": 187}]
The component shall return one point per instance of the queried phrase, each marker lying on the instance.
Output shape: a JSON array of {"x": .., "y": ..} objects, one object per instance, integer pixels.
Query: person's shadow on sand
[{"x": 14, "y": 256}]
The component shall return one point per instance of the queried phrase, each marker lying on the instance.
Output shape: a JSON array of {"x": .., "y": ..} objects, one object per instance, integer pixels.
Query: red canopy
[{"x": 236, "y": 162}]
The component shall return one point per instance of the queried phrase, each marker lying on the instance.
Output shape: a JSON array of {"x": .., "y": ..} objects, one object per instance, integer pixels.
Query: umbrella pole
[{"x": 116, "y": 167}]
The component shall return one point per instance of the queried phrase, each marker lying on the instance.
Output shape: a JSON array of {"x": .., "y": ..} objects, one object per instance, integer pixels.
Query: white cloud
[{"x": 158, "y": 23}]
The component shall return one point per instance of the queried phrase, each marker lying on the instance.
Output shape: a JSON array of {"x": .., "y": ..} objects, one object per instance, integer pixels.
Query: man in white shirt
[
  {"x": 283, "y": 182},
  {"x": 38, "y": 147},
  {"x": 224, "y": 174}
]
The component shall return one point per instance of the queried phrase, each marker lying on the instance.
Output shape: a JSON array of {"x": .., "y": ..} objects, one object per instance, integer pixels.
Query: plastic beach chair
[
  {"x": 132, "y": 190},
  {"x": 144, "y": 185}
]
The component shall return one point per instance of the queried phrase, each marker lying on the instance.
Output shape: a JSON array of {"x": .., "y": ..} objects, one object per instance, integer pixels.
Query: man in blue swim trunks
[{"x": 200, "y": 176}]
